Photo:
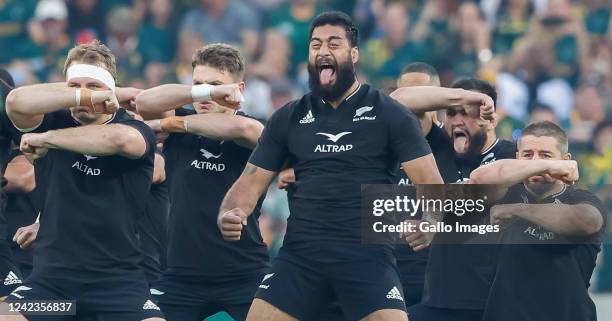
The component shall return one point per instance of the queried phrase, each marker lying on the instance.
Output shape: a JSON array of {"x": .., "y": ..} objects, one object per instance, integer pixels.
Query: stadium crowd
[{"x": 549, "y": 59}]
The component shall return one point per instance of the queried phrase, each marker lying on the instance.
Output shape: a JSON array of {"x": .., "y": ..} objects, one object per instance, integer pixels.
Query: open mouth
[
  {"x": 460, "y": 140},
  {"x": 327, "y": 73}
]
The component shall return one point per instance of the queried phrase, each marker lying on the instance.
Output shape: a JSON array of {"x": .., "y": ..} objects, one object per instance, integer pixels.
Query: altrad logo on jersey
[
  {"x": 333, "y": 148},
  {"x": 205, "y": 165},
  {"x": 82, "y": 167}
]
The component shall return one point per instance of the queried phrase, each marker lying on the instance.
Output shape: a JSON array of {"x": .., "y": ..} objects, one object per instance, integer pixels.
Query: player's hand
[
  {"x": 479, "y": 105},
  {"x": 126, "y": 96},
  {"x": 227, "y": 95},
  {"x": 564, "y": 170},
  {"x": 418, "y": 240},
  {"x": 230, "y": 224},
  {"x": 104, "y": 102},
  {"x": 33, "y": 146},
  {"x": 286, "y": 178},
  {"x": 26, "y": 235},
  {"x": 502, "y": 214}
]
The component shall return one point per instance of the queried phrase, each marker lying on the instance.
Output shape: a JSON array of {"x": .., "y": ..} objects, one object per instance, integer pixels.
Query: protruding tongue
[
  {"x": 460, "y": 144},
  {"x": 325, "y": 76}
]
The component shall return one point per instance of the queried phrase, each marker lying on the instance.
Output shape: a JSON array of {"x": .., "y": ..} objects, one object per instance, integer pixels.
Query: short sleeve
[
  {"x": 271, "y": 150},
  {"x": 147, "y": 134},
  {"x": 585, "y": 197},
  {"x": 405, "y": 135}
]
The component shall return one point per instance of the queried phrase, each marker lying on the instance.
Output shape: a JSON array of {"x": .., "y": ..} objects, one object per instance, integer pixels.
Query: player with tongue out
[{"x": 458, "y": 276}]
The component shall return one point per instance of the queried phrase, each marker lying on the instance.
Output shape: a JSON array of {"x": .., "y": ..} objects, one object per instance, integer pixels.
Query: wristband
[
  {"x": 172, "y": 124},
  {"x": 86, "y": 99},
  {"x": 77, "y": 97},
  {"x": 201, "y": 92}
]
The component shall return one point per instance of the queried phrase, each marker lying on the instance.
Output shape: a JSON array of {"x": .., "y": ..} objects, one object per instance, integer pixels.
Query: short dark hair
[
  {"x": 547, "y": 129},
  {"x": 221, "y": 56},
  {"x": 340, "y": 19},
  {"x": 423, "y": 68},
  {"x": 479, "y": 85}
]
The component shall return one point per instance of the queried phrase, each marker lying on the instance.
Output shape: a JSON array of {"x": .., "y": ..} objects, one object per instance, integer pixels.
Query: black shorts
[
  {"x": 363, "y": 279},
  {"x": 422, "y": 312},
  {"x": 10, "y": 274},
  {"x": 124, "y": 298},
  {"x": 195, "y": 298}
]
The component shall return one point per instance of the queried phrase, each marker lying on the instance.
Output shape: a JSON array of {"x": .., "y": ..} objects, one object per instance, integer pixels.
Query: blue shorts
[
  {"x": 363, "y": 279},
  {"x": 194, "y": 299},
  {"x": 118, "y": 298}
]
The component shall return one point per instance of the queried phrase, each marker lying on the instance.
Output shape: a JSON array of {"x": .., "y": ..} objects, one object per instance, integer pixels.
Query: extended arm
[
  {"x": 241, "y": 199},
  {"x": 571, "y": 220},
  {"x": 27, "y": 105},
  {"x": 19, "y": 175},
  {"x": 423, "y": 99},
  {"x": 243, "y": 130},
  {"x": 161, "y": 101},
  {"x": 96, "y": 140}
]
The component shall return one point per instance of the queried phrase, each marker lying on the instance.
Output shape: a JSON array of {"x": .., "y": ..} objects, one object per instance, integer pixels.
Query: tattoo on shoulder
[{"x": 249, "y": 169}]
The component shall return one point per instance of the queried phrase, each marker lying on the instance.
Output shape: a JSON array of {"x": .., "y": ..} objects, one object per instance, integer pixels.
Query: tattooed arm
[{"x": 241, "y": 199}]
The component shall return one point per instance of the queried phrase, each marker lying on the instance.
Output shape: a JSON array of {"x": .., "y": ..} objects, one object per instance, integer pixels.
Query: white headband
[{"x": 91, "y": 71}]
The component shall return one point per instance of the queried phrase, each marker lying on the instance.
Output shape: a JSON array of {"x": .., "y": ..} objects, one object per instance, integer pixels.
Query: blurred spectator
[
  {"x": 293, "y": 19},
  {"x": 587, "y": 113},
  {"x": 14, "y": 17},
  {"x": 86, "y": 18},
  {"x": 597, "y": 18},
  {"x": 511, "y": 23},
  {"x": 49, "y": 32},
  {"x": 556, "y": 46},
  {"x": 123, "y": 41},
  {"x": 228, "y": 21},
  {"x": 273, "y": 62},
  {"x": 433, "y": 31},
  {"x": 382, "y": 59},
  {"x": 157, "y": 36},
  {"x": 187, "y": 45},
  {"x": 471, "y": 43},
  {"x": 542, "y": 112}
]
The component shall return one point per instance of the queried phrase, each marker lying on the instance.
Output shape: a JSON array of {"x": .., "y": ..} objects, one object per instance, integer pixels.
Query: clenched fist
[
  {"x": 33, "y": 146},
  {"x": 230, "y": 224},
  {"x": 99, "y": 101},
  {"x": 227, "y": 95}
]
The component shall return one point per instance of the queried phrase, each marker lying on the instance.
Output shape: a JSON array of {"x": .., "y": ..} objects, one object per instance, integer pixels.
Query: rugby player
[
  {"x": 553, "y": 228},
  {"x": 93, "y": 167},
  {"x": 458, "y": 277},
  {"x": 205, "y": 152},
  {"x": 340, "y": 135}
]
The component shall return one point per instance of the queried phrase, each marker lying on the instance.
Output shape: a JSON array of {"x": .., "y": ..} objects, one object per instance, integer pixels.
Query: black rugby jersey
[
  {"x": 542, "y": 275},
  {"x": 333, "y": 152},
  {"x": 89, "y": 206},
  {"x": 200, "y": 171}
]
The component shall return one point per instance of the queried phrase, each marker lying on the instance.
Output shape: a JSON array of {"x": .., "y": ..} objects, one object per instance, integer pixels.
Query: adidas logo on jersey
[
  {"x": 395, "y": 294},
  {"x": 149, "y": 305},
  {"x": 308, "y": 118},
  {"x": 12, "y": 278},
  {"x": 362, "y": 110}
]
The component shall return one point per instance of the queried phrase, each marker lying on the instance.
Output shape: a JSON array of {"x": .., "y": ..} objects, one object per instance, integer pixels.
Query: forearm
[
  {"x": 97, "y": 140},
  {"x": 40, "y": 99},
  {"x": 247, "y": 190},
  {"x": 421, "y": 99},
  {"x": 563, "y": 219},
  {"x": 154, "y": 102},
  {"x": 241, "y": 129},
  {"x": 507, "y": 172}
]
